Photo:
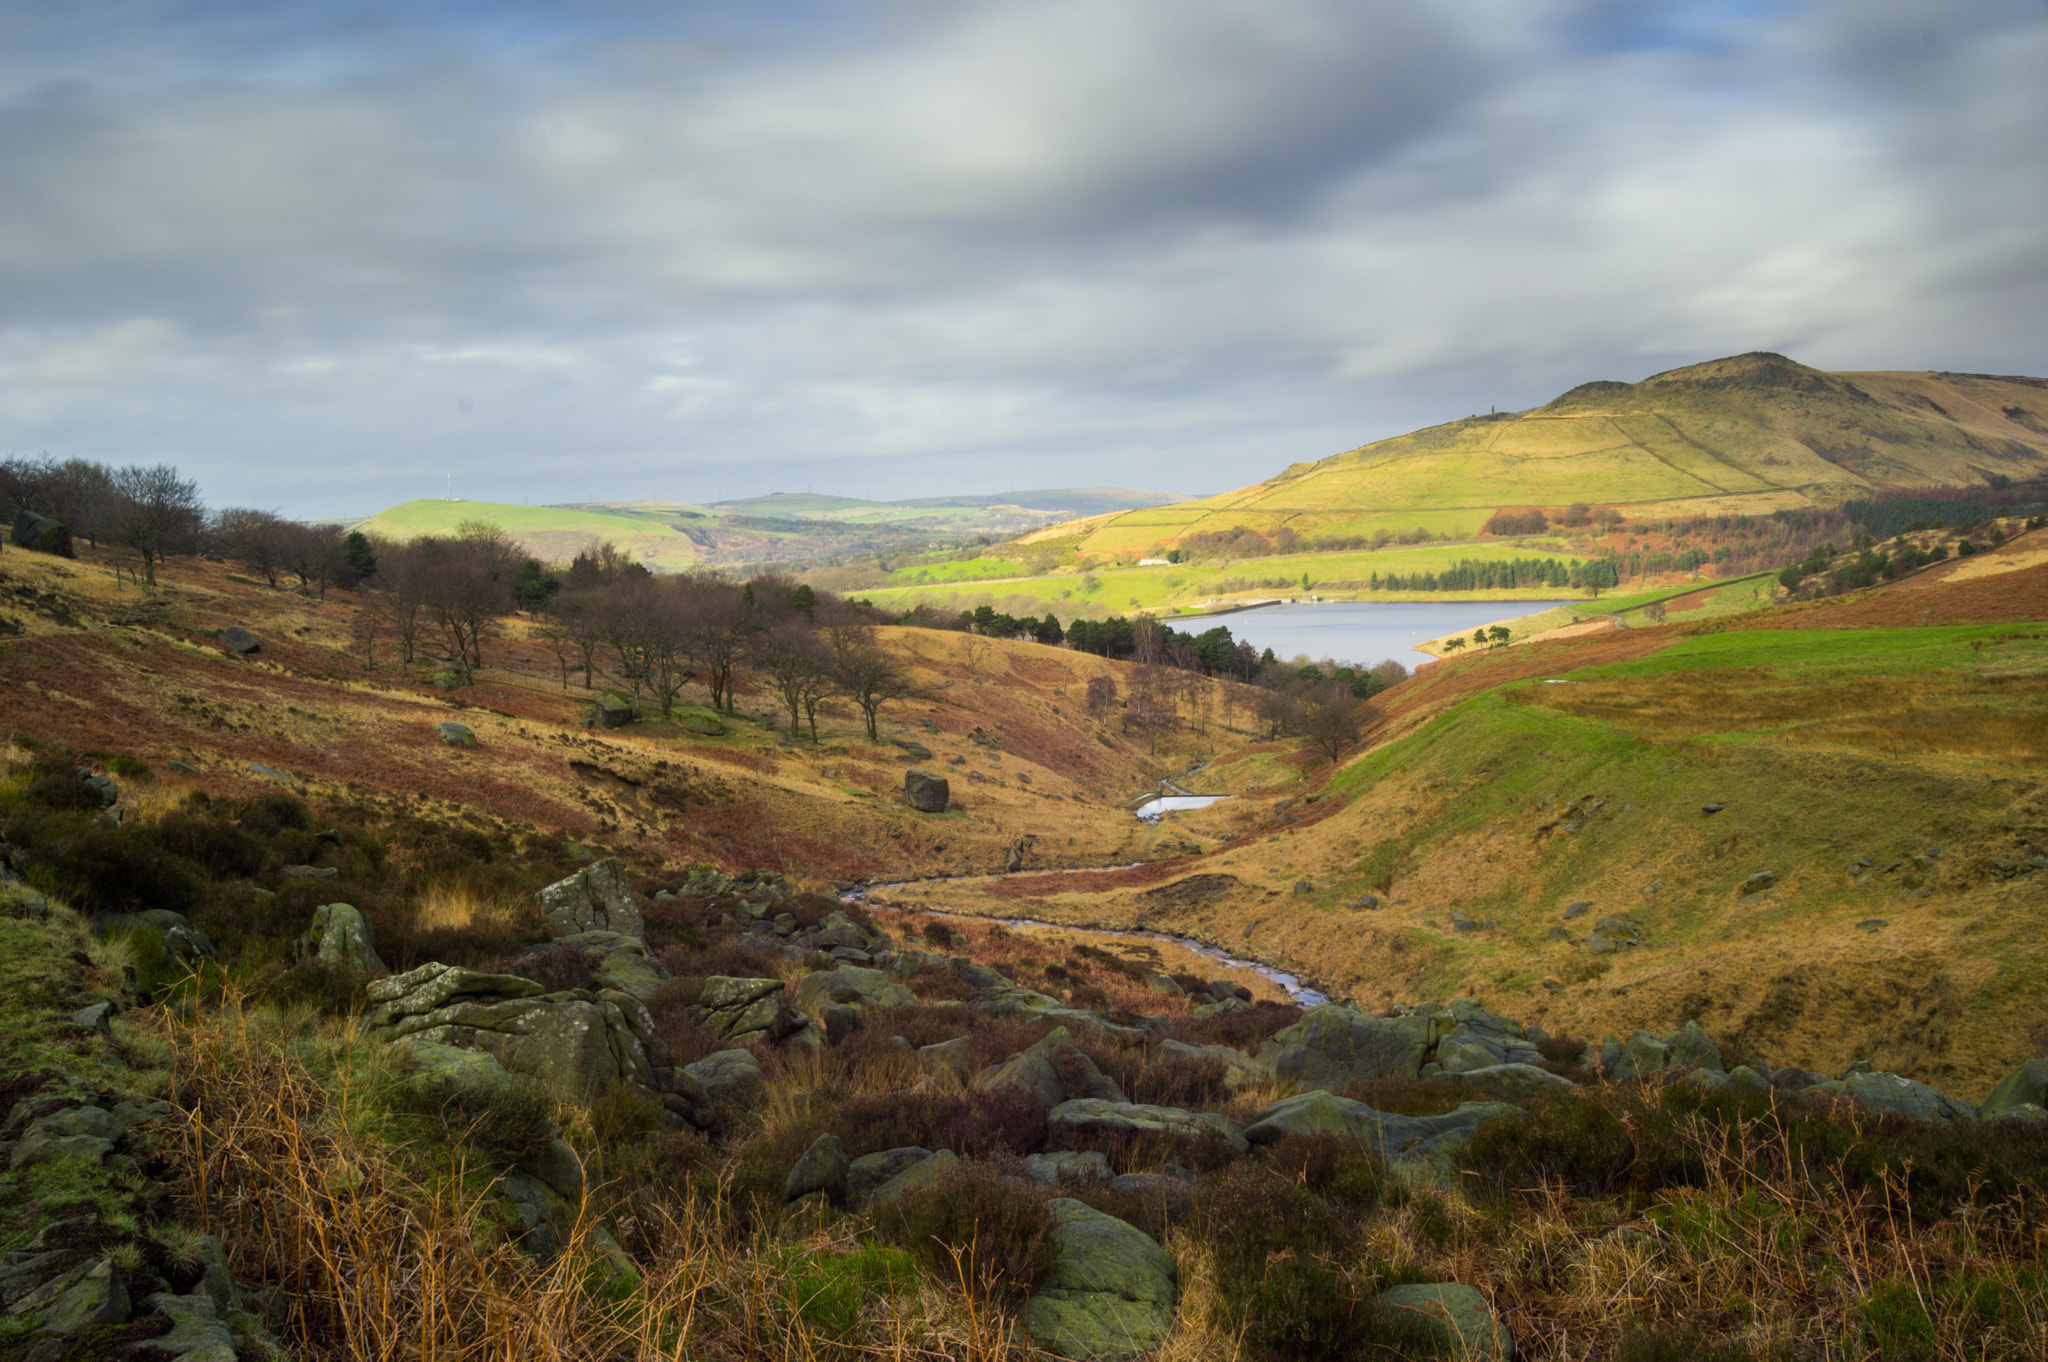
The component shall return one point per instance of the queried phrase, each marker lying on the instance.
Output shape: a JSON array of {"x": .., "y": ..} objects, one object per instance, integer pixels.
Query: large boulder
[
  {"x": 1642, "y": 1055},
  {"x": 1111, "y": 1290},
  {"x": 1462, "y": 1318},
  {"x": 926, "y": 792},
  {"x": 1692, "y": 1048},
  {"x": 1896, "y": 1093},
  {"x": 237, "y": 640},
  {"x": 1333, "y": 1045},
  {"x": 852, "y": 986},
  {"x": 871, "y": 1171},
  {"x": 1390, "y": 1135},
  {"x": 614, "y": 710},
  {"x": 1049, "y": 1073},
  {"x": 822, "y": 1168},
  {"x": 88, "y": 1295},
  {"x": 1013, "y": 1000},
  {"x": 1508, "y": 1082},
  {"x": 42, "y": 534},
  {"x": 739, "y": 1010},
  {"x": 595, "y": 898},
  {"x": 456, "y": 735},
  {"x": 698, "y": 719},
  {"x": 576, "y": 1045},
  {"x": 712, "y": 1092},
  {"x": 917, "y": 1175},
  {"x": 1080, "y": 1121},
  {"x": 627, "y": 965},
  {"x": 340, "y": 935},
  {"x": 2023, "y": 1092}
]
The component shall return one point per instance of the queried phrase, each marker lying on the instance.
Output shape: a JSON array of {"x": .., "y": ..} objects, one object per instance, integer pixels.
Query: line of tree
[{"x": 1467, "y": 575}]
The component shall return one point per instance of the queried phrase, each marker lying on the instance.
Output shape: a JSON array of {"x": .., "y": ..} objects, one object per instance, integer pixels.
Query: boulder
[
  {"x": 1641, "y": 1055},
  {"x": 1239, "y": 1068},
  {"x": 1692, "y": 1048},
  {"x": 926, "y": 792},
  {"x": 1049, "y": 1073},
  {"x": 1068, "y": 1168},
  {"x": 1748, "y": 1079},
  {"x": 595, "y": 898},
  {"x": 311, "y": 872},
  {"x": 915, "y": 751},
  {"x": 1110, "y": 1292},
  {"x": 340, "y": 935},
  {"x": 546, "y": 1220},
  {"x": 852, "y": 986},
  {"x": 917, "y": 1175},
  {"x": 42, "y": 534},
  {"x": 841, "y": 1022},
  {"x": 238, "y": 640},
  {"x": 86, "y": 1297},
  {"x": 821, "y": 1168},
  {"x": 197, "y": 1325},
  {"x": 1012, "y": 1000},
  {"x": 1507, "y": 1082},
  {"x": 698, "y": 719},
  {"x": 1391, "y": 1136},
  {"x": 1462, "y": 1318},
  {"x": 628, "y": 965},
  {"x": 739, "y": 1010},
  {"x": 871, "y": 1171},
  {"x": 728, "y": 1082},
  {"x": 1895, "y": 1093},
  {"x": 614, "y": 710},
  {"x": 1080, "y": 1120},
  {"x": 1617, "y": 933},
  {"x": 1333, "y": 1045},
  {"x": 576, "y": 1045},
  {"x": 2023, "y": 1092},
  {"x": 456, "y": 735},
  {"x": 1164, "y": 983}
]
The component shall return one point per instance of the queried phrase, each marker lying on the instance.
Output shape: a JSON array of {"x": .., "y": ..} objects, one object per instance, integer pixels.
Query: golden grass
[
  {"x": 457, "y": 905},
  {"x": 379, "y": 1259}
]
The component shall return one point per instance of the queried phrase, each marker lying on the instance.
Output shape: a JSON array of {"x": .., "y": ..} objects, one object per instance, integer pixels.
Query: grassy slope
[
  {"x": 1827, "y": 745},
  {"x": 547, "y": 531},
  {"x": 1746, "y": 433}
]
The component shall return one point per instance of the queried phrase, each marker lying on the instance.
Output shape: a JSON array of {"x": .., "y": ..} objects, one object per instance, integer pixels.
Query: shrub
[
  {"x": 1334, "y": 1166},
  {"x": 1190, "y": 1084},
  {"x": 975, "y": 1224},
  {"x": 1274, "y": 1285},
  {"x": 1405, "y": 1096},
  {"x": 721, "y": 957},
  {"x": 974, "y": 1125},
  {"x": 1154, "y": 1212},
  {"x": 117, "y": 871},
  {"x": 1562, "y": 1054},
  {"x": 272, "y": 812},
  {"x": 209, "y": 841},
  {"x": 624, "y": 1114},
  {"x": 1666, "y": 1345},
  {"x": 329, "y": 987},
  {"x": 942, "y": 936},
  {"x": 504, "y": 1120},
  {"x": 559, "y": 966},
  {"x": 1246, "y": 1030}
]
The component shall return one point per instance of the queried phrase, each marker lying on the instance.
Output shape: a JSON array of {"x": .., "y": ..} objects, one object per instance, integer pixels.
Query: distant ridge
[{"x": 1745, "y": 435}]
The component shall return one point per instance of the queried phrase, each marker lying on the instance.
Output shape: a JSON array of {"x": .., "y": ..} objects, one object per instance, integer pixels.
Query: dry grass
[
  {"x": 456, "y": 905},
  {"x": 381, "y": 1257}
]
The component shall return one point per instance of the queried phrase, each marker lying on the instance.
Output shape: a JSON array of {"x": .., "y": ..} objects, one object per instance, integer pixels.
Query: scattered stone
[
  {"x": 595, "y": 898},
  {"x": 1612, "y": 934},
  {"x": 730, "y": 1081},
  {"x": 1082, "y": 1119},
  {"x": 1894, "y": 1092},
  {"x": 739, "y": 1010},
  {"x": 614, "y": 710},
  {"x": 340, "y": 935},
  {"x": 1748, "y": 1079},
  {"x": 922, "y": 1173},
  {"x": 240, "y": 641},
  {"x": 698, "y": 719},
  {"x": 1712, "y": 808},
  {"x": 1368, "y": 902},
  {"x": 1068, "y": 1168},
  {"x": 926, "y": 792},
  {"x": 183, "y": 767},
  {"x": 1692, "y": 1048},
  {"x": 1303, "y": 888},
  {"x": 1333, "y": 1045},
  {"x": 1390, "y": 1135},
  {"x": 2023, "y": 1092},
  {"x": 852, "y": 986},
  {"x": 1872, "y": 924},
  {"x": 871, "y": 1171},
  {"x": 257, "y": 768},
  {"x": 821, "y": 1168},
  {"x": 87, "y": 1296},
  {"x": 1641, "y": 1055},
  {"x": 1462, "y": 1317},
  {"x": 915, "y": 751},
  {"x": 456, "y": 735},
  {"x": 1579, "y": 909},
  {"x": 1507, "y": 1082},
  {"x": 1111, "y": 1290},
  {"x": 1163, "y": 983},
  {"x": 1757, "y": 883},
  {"x": 628, "y": 965},
  {"x": 311, "y": 872},
  {"x": 42, "y": 534},
  {"x": 1238, "y": 1067},
  {"x": 1049, "y": 1073},
  {"x": 196, "y": 1327}
]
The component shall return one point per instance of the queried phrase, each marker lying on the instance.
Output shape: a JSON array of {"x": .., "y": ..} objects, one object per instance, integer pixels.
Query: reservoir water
[
  {"x": 1151, "y": 809},
  {"x": 1365, "y": 631}
]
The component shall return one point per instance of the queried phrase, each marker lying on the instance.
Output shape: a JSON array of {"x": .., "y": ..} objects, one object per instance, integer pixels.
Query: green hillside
[
  {"x": 1744, "y": 435},
  {"x": 549, "y": 532}
]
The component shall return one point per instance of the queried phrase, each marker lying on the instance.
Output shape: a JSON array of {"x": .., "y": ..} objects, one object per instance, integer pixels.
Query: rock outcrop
[
  {"x": 594, "y": 899},
  {"x": 340, "y": 935},
  {"x": 1111, "y": 1290},
  {"x": 926, "y": 792}
]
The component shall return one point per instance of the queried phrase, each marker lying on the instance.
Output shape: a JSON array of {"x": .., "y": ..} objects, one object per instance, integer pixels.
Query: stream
[{"x": 1297, "y": 992}]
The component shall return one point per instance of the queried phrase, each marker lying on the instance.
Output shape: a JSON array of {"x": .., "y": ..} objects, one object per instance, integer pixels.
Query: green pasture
[{"x": 549, "y": 532}]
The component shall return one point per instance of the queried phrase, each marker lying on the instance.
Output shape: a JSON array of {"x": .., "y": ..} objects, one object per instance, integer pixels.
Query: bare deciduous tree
[{"x": 153, "y": 512}]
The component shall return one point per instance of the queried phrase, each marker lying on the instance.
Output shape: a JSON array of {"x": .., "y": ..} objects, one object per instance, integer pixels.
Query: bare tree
[
  {"x": 1153, "y": 709},
  {"x": 1101, "y": 696},
  {"x": 871, "y": 677},
  {"x": 494, "y": 549},
  {"x": 716, "y": 628},
  {"x": 798, "y": 668},
  {"x": 976, "y": 648},
  {"x": 1330, "y": 716},
  {"x": 153, "y": 513},
  {"x": 404, "y": 575},
  {"x": 1148, "y": 642},
  {"x": 316, "y": 555},
  {"x": 466, "y": 605},
  {"x": 253, "y": 538},
  {"x": 576, "y": 627}
]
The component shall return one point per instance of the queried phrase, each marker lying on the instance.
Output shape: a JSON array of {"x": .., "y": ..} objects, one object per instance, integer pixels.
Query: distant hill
[
  {"x": 998, "y": 509},
  {"x": 1745, "y": 435},
  {"x": 549, "y": 532}
]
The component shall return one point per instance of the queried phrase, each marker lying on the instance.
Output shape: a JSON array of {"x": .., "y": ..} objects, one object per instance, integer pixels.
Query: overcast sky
[{"x": 324, "y": 255}]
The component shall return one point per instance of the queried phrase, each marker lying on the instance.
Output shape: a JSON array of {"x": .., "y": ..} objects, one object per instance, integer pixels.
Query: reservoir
[
  {"x": 1364, "y": 631},
  {"x": 1151, "y": 809}
]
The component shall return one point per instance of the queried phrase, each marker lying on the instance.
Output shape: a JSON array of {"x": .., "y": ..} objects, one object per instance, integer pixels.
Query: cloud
[{"x": 1008, "y": 244}]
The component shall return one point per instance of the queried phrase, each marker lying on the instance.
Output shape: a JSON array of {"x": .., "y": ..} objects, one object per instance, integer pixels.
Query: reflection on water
[
  {"x": 1364, "y": 631},
  {"x": 1152, "y": 809}
]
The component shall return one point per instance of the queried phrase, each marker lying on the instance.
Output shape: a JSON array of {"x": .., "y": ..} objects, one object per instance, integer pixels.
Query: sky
[{"x": 329, "y": 256}]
